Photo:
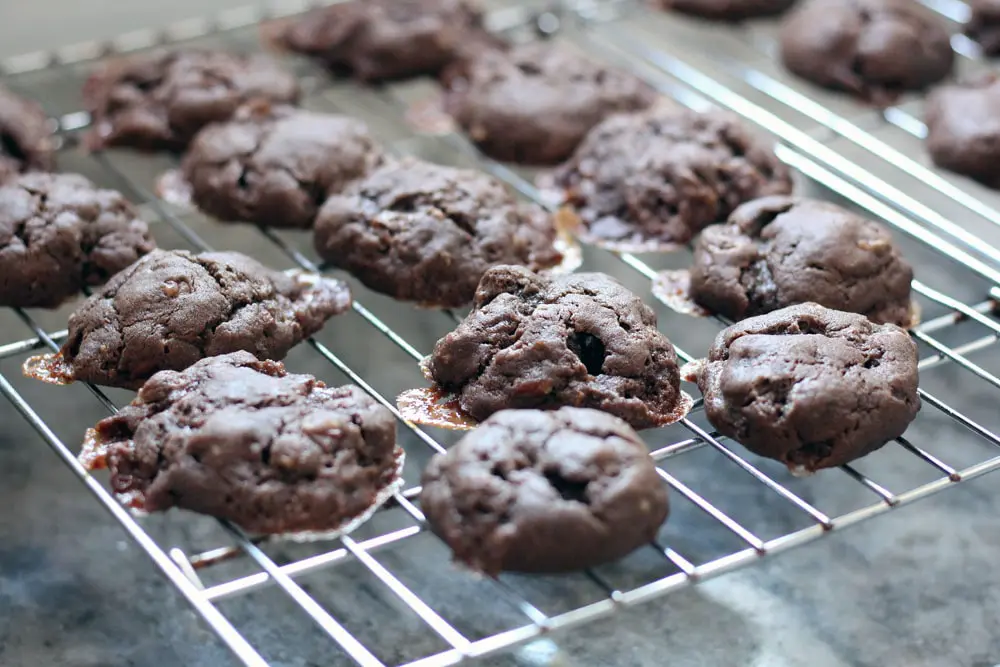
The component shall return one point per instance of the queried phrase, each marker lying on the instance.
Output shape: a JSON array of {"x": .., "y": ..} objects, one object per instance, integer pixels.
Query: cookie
[
  {"x": 160, "y": 101},
  {"x": 535, "y": 103},
  {"x": 60, "y": 233},
  {"x": 26, "y": 141},
  {"x": 660, "y": 176},
  {"x": 382, "y": 40},
  {"x": 242, "y": 440},
  {"x": 963, "y": 134},
  {"x": 779, "y": 251},
  {"x": 173, "y": 308},
  {"x": 874, "y": 49},
  {"x": 811, "y": 387},
  {"x": 727, "y": 10},
  {"x": 427, "y": 233},
  {"x": 984, "y": 25},
  {"x": 536, "y": 341},
  {"x": 544, "y": 492},
  {"x": 276, "y": 165}
]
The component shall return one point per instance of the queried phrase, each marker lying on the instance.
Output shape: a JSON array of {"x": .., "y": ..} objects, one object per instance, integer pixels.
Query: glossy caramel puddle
[
  {"x": 430, "y": 406},
  {"x": 48, "y": 368}
]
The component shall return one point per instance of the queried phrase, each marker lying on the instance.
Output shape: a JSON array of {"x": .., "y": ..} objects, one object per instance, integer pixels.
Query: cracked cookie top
[
  {"x": 963, "y": 134},
  {"x": 662, "y": 175},
  {"x": 173, "y": 308},
  {"x": 811, "y": 387},
  {"x": 60, "y": 233},
  {"x": 276, "y": 165},
  {"x": 240, "y": 439},
  {"x": 535, "y": 103},
  {"x": 581, "y": 340},
  {"x": 727, "y": 10},
  {"x": 779, "y": 251},
  {"x": 553, "y": 491},
  {"x": 424, "y": 232},
  {"x": 874, "y": 49},
  {"x": 26, "y": 142},
  {"x": 160, "y": 101}
]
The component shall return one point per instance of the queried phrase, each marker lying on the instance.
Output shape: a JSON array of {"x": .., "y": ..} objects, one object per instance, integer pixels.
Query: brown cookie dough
[
  {"x": 727, "y": 10},
  {"x": 60, "y": 233},
  {"x": 963, "y": 128},
  {"x": 779, "y": 251},
  {"x": 173, "y": 308},
  {"x": 423, "y": 232},
  {"x": 874, "y": 49},
  {"x": 580, "y": 340},
  {"x": 984, "y": 25},
  {"x": 536, "y": 103},
  {"x": 26, "y": 142},
  {"x": 160, "y": 101},
  {"x": 242, "y": 440},
  {"x": 534, "y": 491},
  {"x": 276, "y": 165},
  {"x": 662, "y": 175},
  {"x": 811, "y": 387},
  {"x": 380, "y": 40}
]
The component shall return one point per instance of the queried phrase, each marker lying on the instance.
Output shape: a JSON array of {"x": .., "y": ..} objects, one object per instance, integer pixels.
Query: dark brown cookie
[
  {"x": 875, "y": 49},
  {"x": 242, "y": 440},
  {"x": 662, "y": 175},
  {"x": 534, "y": 491},
  {"x": 160, "y": 101},
  {"x": 426, "y": 233},
  {"x": 727, "y": 10},
  {"x": 984, "y": 25},
  {"x": 779, "y": 251},
  {"x": 579, "y": 340},
  {"x": 60, "y": 233},
  {"x": 26, "y": 142},
  {"x": 276, "y": 166},
  {"x": 811, "y": 387},
  {"x": 963, "y": 134},
  {"x": 380, "y": 40},
  {"x": 536, "y": 103},
  {"x": 173, "y": 308}
]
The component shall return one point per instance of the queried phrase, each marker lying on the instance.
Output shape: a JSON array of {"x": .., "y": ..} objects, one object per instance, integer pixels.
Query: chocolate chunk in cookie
[
  {"x": 60, "y": 233},
  {"x": 242, "y": 440},
  {"x": 580, "y": 340},
  {"x": 658, "y": 177},
  {"x": 727, "y": 10},
  {"x": 874, "y": 49},
  {"x": 276, "y": 165},
  {"x": 427, "y": 233},
  {"x": 173, "y": 308},
  {"x": 26, "y": 142},
  {"x": 963, "y": 134},
  {"x": 778, "y": 251},
  {"x": 380, "y": 40},
  {"x": 160, "y": 101},
  {"x": 811, "y": 387},
  {"x": 534, "y": 491},
  {"x": 536, "y": 103},
  {"x": 984, "y": 25}
]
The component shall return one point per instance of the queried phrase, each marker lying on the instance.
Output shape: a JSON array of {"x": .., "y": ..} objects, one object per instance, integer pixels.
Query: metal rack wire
[{"x": 624, "y": 33}]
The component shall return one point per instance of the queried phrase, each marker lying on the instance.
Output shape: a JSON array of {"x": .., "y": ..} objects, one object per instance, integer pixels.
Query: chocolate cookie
[
  {"x": 172, "y": 308},
  {"x": 60, "y": 233},
  {"x": 662, "y": 175},
  {"x": 811, "y": 387},
  {"x": 875, "y": 49},
  {"x": 426, "y": 233},
  {"x": 984, "y": 25},
  {"x": 536, "y": 103},
  {"x": 379, "y": 40},
  {"x": 779, "y": 251},
  {"x": 581, "y": 340},
  {"x": 160, "y": 101},
  {"x": 242, "y": 440},
  {"x": 26, "y": 142},
  {"x": 727, "y": 10},
  {"x": 963, "y": 131},
  {"x": 533, "y": 491},
  {"x": 276, "y": 166}
]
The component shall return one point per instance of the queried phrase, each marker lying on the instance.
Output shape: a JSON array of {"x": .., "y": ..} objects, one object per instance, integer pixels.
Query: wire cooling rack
[{"x": 730, "y": 508}]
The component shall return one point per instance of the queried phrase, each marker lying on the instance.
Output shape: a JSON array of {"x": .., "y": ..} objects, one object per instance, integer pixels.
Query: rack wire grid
[{"x": 730, "y": 508}]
